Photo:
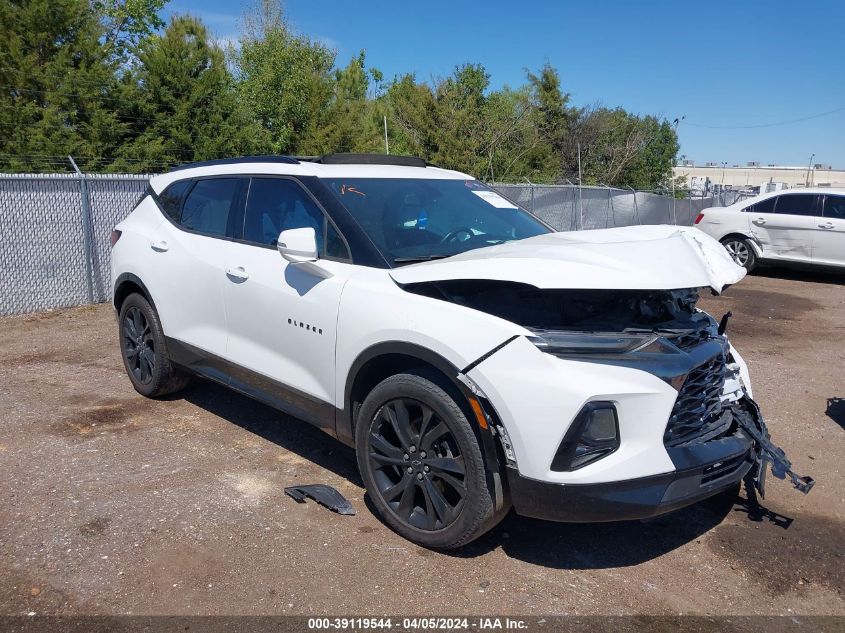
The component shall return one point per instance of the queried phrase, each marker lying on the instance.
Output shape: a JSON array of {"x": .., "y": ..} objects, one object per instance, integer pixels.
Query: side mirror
[{"x": 298, "y": 245}]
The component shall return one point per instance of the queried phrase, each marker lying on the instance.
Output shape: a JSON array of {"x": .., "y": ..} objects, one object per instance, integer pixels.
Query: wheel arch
[
  {"x": 125, "y": 285},
  {"x": 386, "y": 359},
  {"x": 755, "y": 245}
]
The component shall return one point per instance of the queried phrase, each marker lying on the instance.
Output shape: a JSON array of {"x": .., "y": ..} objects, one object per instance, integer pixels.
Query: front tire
[
  {"x": 144, "y": 351},
  {"x": 740, "y": 249},
  {"x": 422, "y": 464}
]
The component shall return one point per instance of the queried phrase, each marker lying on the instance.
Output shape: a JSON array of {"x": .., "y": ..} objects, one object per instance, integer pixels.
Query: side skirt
[{"x": 254, "y": 385}]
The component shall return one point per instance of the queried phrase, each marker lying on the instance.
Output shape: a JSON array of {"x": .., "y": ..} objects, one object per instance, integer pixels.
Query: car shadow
[
  {"x": 285, "y": 431},
  {"x": 836, "y": 410},
  {"x": 555, "y": 545},
  {"x": 579, "y": 546},
  {"x": 801, "y": 273}
]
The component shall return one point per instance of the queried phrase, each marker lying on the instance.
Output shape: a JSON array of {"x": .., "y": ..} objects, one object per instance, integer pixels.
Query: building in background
[{"x": 755, "y": 177}]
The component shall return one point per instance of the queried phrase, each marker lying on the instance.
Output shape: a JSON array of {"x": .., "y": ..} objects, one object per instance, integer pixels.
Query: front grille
[{"x": 697, "y": 414}]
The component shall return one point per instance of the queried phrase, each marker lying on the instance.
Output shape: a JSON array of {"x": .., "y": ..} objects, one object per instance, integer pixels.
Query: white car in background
[{"x": 805, "y": 226}]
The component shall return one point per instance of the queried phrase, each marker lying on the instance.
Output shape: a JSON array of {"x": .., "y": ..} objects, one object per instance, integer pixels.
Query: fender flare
[{"x": 131, "y": 277}]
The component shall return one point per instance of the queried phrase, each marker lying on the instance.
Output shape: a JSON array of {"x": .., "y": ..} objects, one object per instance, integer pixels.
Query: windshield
[{"x": 415, "y": 219}]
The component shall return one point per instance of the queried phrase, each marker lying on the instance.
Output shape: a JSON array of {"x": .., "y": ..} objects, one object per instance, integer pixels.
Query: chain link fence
[
  {"x": 54, "y": 250},
  {"x": 573, "y": 208}
]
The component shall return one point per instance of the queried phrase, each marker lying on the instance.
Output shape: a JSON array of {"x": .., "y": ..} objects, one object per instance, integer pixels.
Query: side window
[
  {"x": 210, "y": 205},
  {"x": 335, "y": 246},
  {"x": 171, "y": 198},
  {"x": 797, "y": 204},
  {"x": 764, "y": 206},
  {"x": 834, "y": 207},
  {"x": 279, "y": 204}
]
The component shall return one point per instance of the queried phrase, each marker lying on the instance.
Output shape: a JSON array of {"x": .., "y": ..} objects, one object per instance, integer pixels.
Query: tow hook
[{"x": 767, "y": 453}]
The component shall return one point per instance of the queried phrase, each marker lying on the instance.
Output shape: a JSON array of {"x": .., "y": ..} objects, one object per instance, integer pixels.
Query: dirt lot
[{"x": 115, "y": 504}]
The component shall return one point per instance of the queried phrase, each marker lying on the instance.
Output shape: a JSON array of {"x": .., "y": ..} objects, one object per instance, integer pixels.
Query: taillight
[
  {"x": 115, "y": 235},
  {"x": 699, "y": 218}
]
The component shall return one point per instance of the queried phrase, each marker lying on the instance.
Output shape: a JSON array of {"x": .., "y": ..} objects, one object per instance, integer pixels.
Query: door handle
[
  {"x": 159, "y": 246},
  {"x": 238, "y": 273},
  {"x": 826, "y": 225},
  {"x": 759, "y": 221}
]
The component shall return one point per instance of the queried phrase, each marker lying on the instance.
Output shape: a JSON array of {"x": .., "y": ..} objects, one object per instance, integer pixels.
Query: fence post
[
  {"x": 636, "y": 210},
  {"x": 87, "y": 230},
  {"x": 690, "y": 217}
]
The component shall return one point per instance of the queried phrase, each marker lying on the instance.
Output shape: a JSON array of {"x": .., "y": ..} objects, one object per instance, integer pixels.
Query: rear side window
[
  {"x": 210, "y": 205},
  {"x": 834, "y": 207},
  {"x": 797, "y": 204},
  {"x": 764, "y": 206},
  {"x": 171, "y": 198}
]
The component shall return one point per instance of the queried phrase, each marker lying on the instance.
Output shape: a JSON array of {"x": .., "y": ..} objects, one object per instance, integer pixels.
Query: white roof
[{"x": 305, "y": 168}]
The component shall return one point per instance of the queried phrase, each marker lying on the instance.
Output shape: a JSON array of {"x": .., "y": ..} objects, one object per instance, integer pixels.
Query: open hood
[{"x": 627, "y": 258}]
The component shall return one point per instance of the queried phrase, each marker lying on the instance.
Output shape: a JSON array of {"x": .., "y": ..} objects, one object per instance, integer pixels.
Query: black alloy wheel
[
  {"x": 417, "y": 464},
  {"x": 144, "y": 350},
  {"x": 421, "y": 461},
  {"x": 138, "y": 345}
]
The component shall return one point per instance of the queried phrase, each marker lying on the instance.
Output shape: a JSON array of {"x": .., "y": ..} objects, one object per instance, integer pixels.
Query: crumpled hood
[{"x": 660, "y": 257}]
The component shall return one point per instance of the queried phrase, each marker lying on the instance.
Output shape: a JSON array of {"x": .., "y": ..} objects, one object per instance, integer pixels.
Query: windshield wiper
[{"x": 419, "y": 258}]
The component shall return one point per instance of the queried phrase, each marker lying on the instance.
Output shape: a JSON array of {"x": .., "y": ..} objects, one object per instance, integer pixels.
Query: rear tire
[
  {"x": 144, "y": 350},
  {"x": 422, "y": 464},
  {"x": 741, "y": 250}
]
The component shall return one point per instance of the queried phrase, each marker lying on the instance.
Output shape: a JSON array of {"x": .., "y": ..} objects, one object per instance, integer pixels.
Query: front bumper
[{"x": 702, "y": 471}]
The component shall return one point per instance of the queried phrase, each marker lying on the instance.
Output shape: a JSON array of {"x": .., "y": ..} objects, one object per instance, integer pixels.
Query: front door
[
  {"x": 784, "y": 225},
  {"x": 829, "y": 240},
  {"x": 282, "y": 318}
]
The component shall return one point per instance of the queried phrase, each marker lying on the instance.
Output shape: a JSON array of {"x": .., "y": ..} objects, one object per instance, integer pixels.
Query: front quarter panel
[{"x": 374, "y": 310}]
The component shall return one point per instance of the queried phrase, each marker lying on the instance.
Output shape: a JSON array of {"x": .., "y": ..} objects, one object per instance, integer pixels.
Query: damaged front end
[{"x": 661, "y": 332}]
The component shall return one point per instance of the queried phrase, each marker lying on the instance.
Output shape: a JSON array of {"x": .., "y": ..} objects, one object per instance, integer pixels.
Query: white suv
[
  {"x": 474, "y": 358},
  {"x": 805, "y": 226}
]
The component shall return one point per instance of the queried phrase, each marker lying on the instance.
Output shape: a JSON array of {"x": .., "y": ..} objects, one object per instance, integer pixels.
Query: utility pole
[
  {"x": 809, "y": 165},
  {"x": 580, "y": 199},
  {"x": 675, "y": 124},
  {"x": 386, "y": 146}
]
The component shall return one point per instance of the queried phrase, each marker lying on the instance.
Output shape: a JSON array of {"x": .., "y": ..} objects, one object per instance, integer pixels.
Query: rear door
[
  {"x": 282, "y": 318},
  {"x": 829, "y": 240},
  {"x": 784, "y": 225},
  {"x": 187, "y": 267}
]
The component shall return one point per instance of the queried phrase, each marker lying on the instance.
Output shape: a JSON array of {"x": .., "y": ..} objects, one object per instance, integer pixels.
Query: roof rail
[
  {"x": 243, "y": 159},
  {"x": 365, "y": 159}
]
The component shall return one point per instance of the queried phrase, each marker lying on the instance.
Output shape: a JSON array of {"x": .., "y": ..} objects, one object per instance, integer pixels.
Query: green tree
[
  {"x": 410, "y": 110},
  {"x": 57, "y": 86},
  {"x": 182, "y": 103},
  {"x": 459, "y": 122},
  {"x": 554, "y": 117},
  {"x": 622, "y": 149},
  {"x": 352, "y": 120},
  {"x": 126, "y": 23},
  {"x": 285, "y": 80}
]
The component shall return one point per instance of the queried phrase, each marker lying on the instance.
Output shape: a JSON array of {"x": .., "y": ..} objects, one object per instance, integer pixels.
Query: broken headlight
[{"x": 574, "y": 343}]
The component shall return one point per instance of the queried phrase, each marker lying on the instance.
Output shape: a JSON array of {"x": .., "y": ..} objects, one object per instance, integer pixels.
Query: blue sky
[{"x": 720, "y": 64}]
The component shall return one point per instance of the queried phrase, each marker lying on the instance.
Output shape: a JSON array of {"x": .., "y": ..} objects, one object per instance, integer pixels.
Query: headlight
[{"x": 565, "y": 343}]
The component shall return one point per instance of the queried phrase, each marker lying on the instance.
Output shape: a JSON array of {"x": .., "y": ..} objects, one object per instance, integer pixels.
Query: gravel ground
[{"x": 114, "y": 504}]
